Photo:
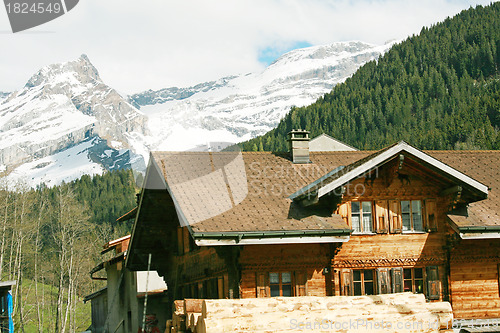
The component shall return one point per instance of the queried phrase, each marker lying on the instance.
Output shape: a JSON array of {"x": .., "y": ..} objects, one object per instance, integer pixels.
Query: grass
[{"x": 47, "y": 296}]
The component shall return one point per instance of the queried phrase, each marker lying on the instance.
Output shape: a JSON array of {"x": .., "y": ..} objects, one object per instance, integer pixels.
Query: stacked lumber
[
  {"x": 168, "y": 325},
  {"x": 185, "y": 316},
  {"x": 402, "y": 312},
  {"x": 178, "y": 323}
]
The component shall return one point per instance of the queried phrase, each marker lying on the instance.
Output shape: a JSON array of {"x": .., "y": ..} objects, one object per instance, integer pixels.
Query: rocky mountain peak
[
  {"x": 61, "y": 105},
  {"x": 79, "y": 71}
]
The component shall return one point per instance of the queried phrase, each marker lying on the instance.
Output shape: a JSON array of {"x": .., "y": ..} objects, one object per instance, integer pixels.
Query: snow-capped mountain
[
  {"x": 66, "y": 121},
  {"x": 238, "y": 108},
  {"x": 61, "y": 106},
  {"x": 3, "y": 95}
]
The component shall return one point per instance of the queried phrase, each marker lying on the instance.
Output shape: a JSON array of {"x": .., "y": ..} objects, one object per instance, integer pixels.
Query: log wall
[
  {"x": 304, "y": 258},
  {"x": 474, "y": 279},
  {"x": 196, "y": 272}
]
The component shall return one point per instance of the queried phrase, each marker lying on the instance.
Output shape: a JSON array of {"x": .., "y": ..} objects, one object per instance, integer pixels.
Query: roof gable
[{"x": 342, "y": 176}]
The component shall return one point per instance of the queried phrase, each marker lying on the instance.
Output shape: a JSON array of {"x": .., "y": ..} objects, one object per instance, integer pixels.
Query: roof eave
[
  {"x": 475, "y": 232},
  {"x": 480, "y": 235},
  {"x": 271, "y": 237}
]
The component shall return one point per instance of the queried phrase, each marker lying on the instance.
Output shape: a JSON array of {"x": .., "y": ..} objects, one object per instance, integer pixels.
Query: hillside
[
  {"x": 437, "y": 90},
  {"x": 50, "y": 240},
  {"x": 45, "y": 298}
]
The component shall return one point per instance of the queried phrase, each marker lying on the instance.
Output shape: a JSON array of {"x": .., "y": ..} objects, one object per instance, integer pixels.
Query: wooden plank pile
[
  {"x": 402, "y": 312},
  {"x": 185, "y": 316}
]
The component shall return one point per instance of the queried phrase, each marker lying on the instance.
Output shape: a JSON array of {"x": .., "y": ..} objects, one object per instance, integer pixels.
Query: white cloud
[{"x": 138, "y": 45}]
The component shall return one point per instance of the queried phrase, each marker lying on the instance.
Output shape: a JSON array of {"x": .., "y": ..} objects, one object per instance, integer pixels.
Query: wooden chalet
[{"x": 261, "y": 224}]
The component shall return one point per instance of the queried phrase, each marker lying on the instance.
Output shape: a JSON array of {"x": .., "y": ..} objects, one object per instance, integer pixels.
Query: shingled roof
[
  {"x": 233, "y": 194},
  {"x": 482, "y": 217},
  {"x": 246, "y": 194}
]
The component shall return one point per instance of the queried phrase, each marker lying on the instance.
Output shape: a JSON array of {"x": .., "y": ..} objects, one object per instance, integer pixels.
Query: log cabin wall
[
  {"x": 196, "y": 272},
  {"x": 396, "y": 260},
  {"x": 298, "y": 267},
  {"x": 474, "y": 278}
]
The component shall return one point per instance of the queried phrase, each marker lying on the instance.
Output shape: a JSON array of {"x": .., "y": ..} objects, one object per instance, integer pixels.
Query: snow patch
[{"x": 52, "y": 170}]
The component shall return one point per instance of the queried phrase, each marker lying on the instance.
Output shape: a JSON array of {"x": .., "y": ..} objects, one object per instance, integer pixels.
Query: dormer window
[{"x": 361, "y": 216}]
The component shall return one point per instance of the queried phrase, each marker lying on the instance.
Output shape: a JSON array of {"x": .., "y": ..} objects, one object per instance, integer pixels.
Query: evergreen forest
[{"x": 437, "y": 90}]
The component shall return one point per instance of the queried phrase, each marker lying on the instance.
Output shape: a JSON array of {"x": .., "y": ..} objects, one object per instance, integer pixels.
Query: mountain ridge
[
  {"x": 242, "y": 106},
  {"x": 63, "y": 107}
]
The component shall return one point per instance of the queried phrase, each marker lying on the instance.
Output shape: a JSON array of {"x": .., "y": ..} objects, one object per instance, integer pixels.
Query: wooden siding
[
  {"x": 474, "y": 280},
  {"x": 296, "y": 258},
  {"x": 388, "y": 246}
]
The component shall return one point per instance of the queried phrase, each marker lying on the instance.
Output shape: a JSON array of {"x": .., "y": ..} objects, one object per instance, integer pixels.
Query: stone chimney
[{"x": 299, "y": 145}]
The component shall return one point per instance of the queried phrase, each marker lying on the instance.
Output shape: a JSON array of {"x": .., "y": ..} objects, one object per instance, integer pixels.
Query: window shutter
[
  {"x": 381, "y": 217},
  {"x": 343, "y": 211},
  {"x": 300, "y": 284},
  {"x": 180, "y": 238},
  {"x": 394, "y": 216},
  {"x": 433, "y": 283},
  {"x": 431, "y": 214},
  {"x": 226, "y": 285},
  {"x": 220, "y": 287},
  {"x": 186, "y": 241},
  {"x": 262, "y": 285},
  {"x": 346, "y": 281},
  {"x": 397, "y": 279},
  {"x": 383, "y": 283}
]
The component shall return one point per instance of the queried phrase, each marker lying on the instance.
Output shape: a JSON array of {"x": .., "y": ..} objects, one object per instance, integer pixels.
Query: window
[
  {"x": 413, "y": 280},
  {"x": 411, "y": 215},
  {"x": 280, "y": 284},
  {"x": 3, "y": 303},
  {"x": 361, "y": 216},
  {"x": 355, "y": 282},
  {"x": 284, "y": 284},
  {"x": 362, "y": 281}
]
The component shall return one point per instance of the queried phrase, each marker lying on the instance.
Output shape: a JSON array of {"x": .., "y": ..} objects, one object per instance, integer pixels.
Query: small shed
[{"x": 99, "y": 305}]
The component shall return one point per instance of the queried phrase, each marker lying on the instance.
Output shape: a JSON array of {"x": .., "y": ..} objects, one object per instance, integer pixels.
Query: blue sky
[
  {"x": 271, "y": 53},
  {"x": 153, "y": 44}
]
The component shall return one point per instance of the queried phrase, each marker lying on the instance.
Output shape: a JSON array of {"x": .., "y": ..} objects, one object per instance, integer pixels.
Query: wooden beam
[{"x": 451, "y": 190}]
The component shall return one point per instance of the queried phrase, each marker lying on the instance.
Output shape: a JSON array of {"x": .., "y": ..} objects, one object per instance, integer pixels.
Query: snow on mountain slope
[
  {"x": 66, "y": 122},
  {"x": 3, "y": 95},
  {"x": 240, "y": 107},
  {"x": 91, "y": 156},
  {"x": 52, "y": 170},
  {"x": 62, "y": 105}
]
